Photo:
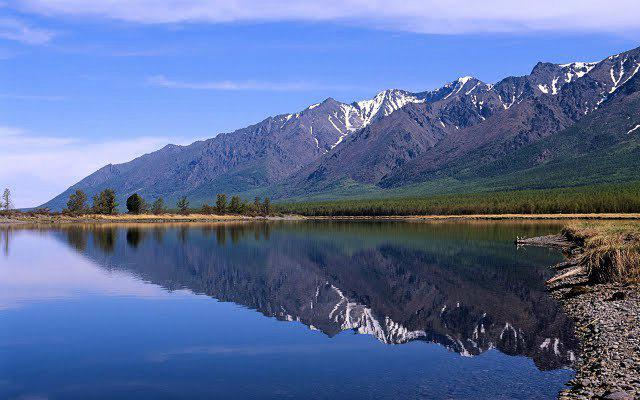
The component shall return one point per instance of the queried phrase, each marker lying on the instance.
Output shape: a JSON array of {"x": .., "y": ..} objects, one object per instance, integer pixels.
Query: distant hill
[{"x": 562, "y": 125}]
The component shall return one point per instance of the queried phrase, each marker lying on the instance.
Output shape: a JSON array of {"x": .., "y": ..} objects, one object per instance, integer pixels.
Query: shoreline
[
  {"x": 149, "y": 218},
  {"x": 598, "y": 216},
  {"x": 143, "y": 218},
  {"x": 607, "y": 325}
]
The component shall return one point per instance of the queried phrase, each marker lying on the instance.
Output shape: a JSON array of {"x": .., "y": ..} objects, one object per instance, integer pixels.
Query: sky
[{"x": 87, "y": 83}]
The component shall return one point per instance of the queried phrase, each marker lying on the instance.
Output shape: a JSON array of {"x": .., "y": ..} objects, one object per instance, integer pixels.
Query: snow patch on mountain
[
  {"x": 576, "y": 70},
  {"x": 544, "y": 89},
  {"x": 616, "y": 79}
]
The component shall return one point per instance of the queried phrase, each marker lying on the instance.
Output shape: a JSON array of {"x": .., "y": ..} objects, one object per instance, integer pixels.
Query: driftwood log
[{"x": 572, "y": 272}]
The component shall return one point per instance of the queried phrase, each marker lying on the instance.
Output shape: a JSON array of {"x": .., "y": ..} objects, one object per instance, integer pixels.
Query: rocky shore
[{"x": 607, "y": 323}]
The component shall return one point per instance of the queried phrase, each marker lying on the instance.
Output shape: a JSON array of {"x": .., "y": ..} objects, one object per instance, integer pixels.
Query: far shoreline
[{"x": 15, "y": 219}]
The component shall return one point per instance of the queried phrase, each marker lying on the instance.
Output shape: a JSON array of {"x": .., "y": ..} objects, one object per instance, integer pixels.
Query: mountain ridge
[{"x": 397, "y": 138}]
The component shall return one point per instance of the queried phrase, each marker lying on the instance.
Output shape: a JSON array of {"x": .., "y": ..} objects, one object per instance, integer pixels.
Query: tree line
[
  {"x": 106, "y": 203},
  {"x": 623, "y": 198}
]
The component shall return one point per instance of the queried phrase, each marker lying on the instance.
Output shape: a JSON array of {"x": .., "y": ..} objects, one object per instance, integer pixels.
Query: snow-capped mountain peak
[{"x": 383, "y": 104}]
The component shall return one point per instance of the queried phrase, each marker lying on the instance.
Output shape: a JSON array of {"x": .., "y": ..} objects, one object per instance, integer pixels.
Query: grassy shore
[
  {"x": 610, "y": 250},
  {"x": 598, "y": 287}
]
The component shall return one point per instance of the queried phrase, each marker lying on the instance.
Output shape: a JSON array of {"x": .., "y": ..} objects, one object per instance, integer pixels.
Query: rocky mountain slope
[
  {"x": 466, "y": 135},
  {"x": 249, "y": 158},
  {"x": 476, "y": 131}
]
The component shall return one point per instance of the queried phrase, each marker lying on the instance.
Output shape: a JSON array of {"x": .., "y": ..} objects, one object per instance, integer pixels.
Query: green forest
[{"x": 586, "y": 199}]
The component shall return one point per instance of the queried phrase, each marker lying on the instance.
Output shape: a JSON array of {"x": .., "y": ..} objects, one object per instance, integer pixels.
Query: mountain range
[{"x": 562, "y": 125}]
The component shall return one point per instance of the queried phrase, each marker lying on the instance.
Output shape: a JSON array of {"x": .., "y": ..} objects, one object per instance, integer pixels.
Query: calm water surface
[{"x": 352, "y": 310}]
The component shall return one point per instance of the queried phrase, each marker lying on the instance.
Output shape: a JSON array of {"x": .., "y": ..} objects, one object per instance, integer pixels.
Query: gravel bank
[{"x": 607, "y": 320}]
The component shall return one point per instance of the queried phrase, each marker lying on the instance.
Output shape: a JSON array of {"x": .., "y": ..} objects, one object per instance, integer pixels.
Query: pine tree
[
  {"x": 77, "y": 203},
  {"x": 105, "y": 202},
  {"x": 183, "y": 206},
  {"x": 6, "y": 200},
  {"x": 267, "y": 206},
  {"x": 257, "y": 205},
  {"x": 221, "y": 204},
  {"x": 234, "y": 205},
  {"x": 158, "y": 206}
]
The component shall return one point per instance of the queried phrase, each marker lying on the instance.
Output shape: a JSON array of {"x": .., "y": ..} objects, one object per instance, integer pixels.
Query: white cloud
[
  {"x": 160, "y": 80},
  {"x": 425, "y": 16},
  {"x": 36, "y": 168},
  {"x": 19, "y": 31}
]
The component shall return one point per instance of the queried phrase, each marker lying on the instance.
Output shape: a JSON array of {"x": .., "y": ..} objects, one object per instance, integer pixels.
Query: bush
[{"x": 135, "y": 204}]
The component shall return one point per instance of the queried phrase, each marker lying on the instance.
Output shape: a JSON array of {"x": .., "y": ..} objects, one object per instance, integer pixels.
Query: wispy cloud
[
  {"x": 426, "y": 16},
  {"x": 20, "y": 31},
  {"x": 12, "y": 96},
  {"x": 38, "y": 167},
  {"x": 162, "y": 81}
]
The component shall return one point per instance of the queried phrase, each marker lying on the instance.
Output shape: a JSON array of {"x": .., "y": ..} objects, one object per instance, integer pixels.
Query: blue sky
[{"x": 83, "y": 83}]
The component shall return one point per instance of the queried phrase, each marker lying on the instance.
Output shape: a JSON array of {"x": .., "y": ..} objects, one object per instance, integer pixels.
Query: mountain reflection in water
[{"x": 462, "y": 285}]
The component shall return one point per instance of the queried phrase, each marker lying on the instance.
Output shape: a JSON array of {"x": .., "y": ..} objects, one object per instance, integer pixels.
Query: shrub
[{"x": 135, "y": 204}]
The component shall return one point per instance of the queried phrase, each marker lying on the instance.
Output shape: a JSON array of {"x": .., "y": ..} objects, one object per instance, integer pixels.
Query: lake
[{"x": 312, "y": 310}]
